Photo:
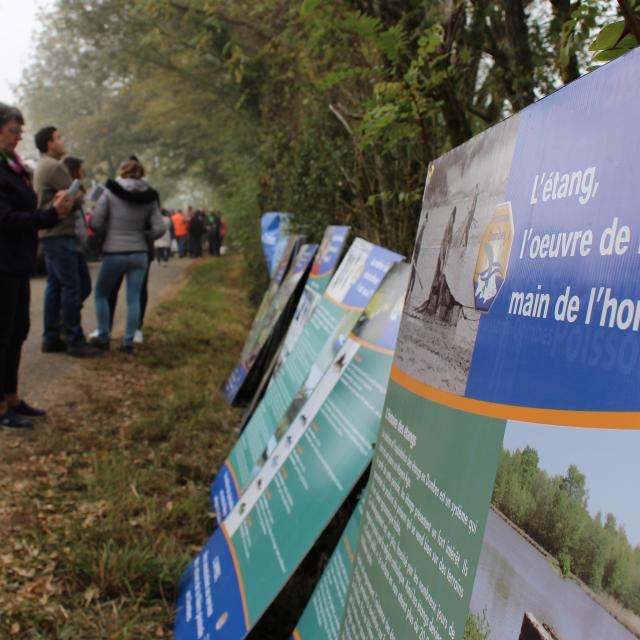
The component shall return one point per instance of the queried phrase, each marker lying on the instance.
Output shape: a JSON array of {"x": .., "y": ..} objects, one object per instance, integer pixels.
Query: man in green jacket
[{"x": 68, "y": 280}]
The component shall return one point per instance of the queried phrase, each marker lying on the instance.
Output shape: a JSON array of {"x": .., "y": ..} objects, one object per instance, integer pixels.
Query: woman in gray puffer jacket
[{"x": 128, "y": 216}]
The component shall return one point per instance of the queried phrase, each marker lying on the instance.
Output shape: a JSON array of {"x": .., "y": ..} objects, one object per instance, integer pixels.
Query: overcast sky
[{"x": 17, "y": 24}]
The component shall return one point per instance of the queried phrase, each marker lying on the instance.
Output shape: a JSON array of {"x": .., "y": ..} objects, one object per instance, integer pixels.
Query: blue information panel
[
  {"x": 313, "y": 467},
  {"x": 502, "y": 500},
  {"x": 350, "y": 290}
]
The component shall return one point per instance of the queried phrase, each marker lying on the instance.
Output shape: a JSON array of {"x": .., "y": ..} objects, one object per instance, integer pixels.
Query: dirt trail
[
  {"x": 41, "y": 373},
  {"x": 45, "y": 378}
]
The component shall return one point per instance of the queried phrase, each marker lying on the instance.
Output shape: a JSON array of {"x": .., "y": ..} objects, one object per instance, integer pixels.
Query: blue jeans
[
  {"x": 114, "y": 266},
  {"x": 68, "y": 286}
]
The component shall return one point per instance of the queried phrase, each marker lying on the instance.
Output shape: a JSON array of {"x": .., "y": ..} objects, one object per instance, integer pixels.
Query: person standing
[
  {"x": 19, "y": 225},
  {"x": 163, "y": 244},
  {"x": 128, "y": 213},
  {"x": 196, "y": 231},
  {"x": 66, "y": 287},
  {"x": 75, "y": 167},
  {"x": 214, "y": 233},
  {"x": 188, "y": 216},
  {"x": 223, "y": 229},
  {"x": 180, "y": 231}
]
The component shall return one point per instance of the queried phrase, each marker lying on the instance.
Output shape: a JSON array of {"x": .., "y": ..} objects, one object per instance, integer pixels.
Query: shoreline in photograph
[{"x": 629, "y": 623}]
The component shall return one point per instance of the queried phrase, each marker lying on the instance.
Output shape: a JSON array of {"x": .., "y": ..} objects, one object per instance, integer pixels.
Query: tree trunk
[{"x": 522, "y": 62}]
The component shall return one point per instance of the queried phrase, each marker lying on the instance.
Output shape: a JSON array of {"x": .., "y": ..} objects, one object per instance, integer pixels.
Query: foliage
[
  {"x": 564, "y": 560},
  {"x": 613, "y": 41},
  {"x": 608, "y": 37},
  {"x": 618, "y": 32},
  {"x": 553, "y": 511},
  {"x": 332, "y": 110},
  {"x": 477, "y": 627}
]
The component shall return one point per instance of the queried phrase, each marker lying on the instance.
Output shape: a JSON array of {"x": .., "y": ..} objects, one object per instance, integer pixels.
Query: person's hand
[{"x": 62, "y": 203}]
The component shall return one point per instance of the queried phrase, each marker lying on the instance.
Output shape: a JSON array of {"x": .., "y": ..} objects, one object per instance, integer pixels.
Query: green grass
[
  {"x": 477, "y": 627},
  {"x": 125, "y": 471}
]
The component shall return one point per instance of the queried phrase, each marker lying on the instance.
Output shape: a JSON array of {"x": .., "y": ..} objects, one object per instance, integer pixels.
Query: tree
[
  {"x": 574, "y": 484},
  {"x": 332, "y": 110}
]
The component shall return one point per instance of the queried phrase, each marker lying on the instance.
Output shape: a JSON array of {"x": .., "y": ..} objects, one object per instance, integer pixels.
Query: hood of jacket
[{"x": 130, "y": 190}]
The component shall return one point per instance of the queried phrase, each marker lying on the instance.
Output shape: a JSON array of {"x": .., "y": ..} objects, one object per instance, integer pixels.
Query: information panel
[
  {"x": 273, "y": 226},
  {"x": 252, "y": 344},
  {"x": 317, "y": 462},
  {"x": 322, "y": 616},
  {"x": 352, "y": 287},
  {"x": 506, "y": 471},
  {"x": 322, "y": 270}
]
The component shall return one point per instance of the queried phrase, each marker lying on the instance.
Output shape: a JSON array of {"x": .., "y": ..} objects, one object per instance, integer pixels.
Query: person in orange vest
[{"x": 180, "y": 231}]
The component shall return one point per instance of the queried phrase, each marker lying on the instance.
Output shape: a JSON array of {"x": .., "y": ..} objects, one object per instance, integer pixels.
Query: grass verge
[{"x": 104, "y": 507}]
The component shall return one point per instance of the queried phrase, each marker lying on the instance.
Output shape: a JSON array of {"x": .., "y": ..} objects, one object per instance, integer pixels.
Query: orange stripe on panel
[
  {"x": 245, "y": 610},
  {"x": 370, "y": 345},
  {"x": 559, "y": 417},
  {"x": 341, "y": 304}
]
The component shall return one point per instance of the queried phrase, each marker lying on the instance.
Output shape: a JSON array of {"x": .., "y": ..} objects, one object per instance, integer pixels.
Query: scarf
[{"x": 16, "y": 165}]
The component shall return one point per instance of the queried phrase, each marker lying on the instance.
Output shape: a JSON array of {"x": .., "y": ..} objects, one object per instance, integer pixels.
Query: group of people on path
[
  {"x": 191, "y": 228},
  {"x": 132, "y": 228}
]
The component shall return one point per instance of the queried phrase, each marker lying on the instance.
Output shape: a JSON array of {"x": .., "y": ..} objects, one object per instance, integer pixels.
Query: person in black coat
[
  {"x": 196, "y": 232},
  {"x": 215, "y": 232},
  {"x": 19, "y": 224}
]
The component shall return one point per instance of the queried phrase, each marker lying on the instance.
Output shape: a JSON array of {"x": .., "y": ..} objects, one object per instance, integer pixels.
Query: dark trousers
[
  {"x": 68, "y": 286},
  {"x": 162, "y": 254},
  {"x": 214, "y": 244},
  {"x": 93, "y": 249},
  {"x": 195, "y": 246},
  {"x": 14, "y": 327}
]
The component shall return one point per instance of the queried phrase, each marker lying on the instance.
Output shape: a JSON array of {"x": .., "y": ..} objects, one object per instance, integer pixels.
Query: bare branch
[{"x": 340, "y": 117}]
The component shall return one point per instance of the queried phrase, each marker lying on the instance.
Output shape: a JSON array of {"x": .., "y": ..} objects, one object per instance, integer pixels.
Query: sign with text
[
  {"x": 293, "y": 497},
  {"x": 273, "y": 303},
  {"x": 274, "y": 226},
  {"x": 322, "y": 616},
  {"x": 511, "y": 422},
  {"x": 352, "y": 287},
  {"x": 322, "y": 271},
  {"x": 324, "y": 265}
]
